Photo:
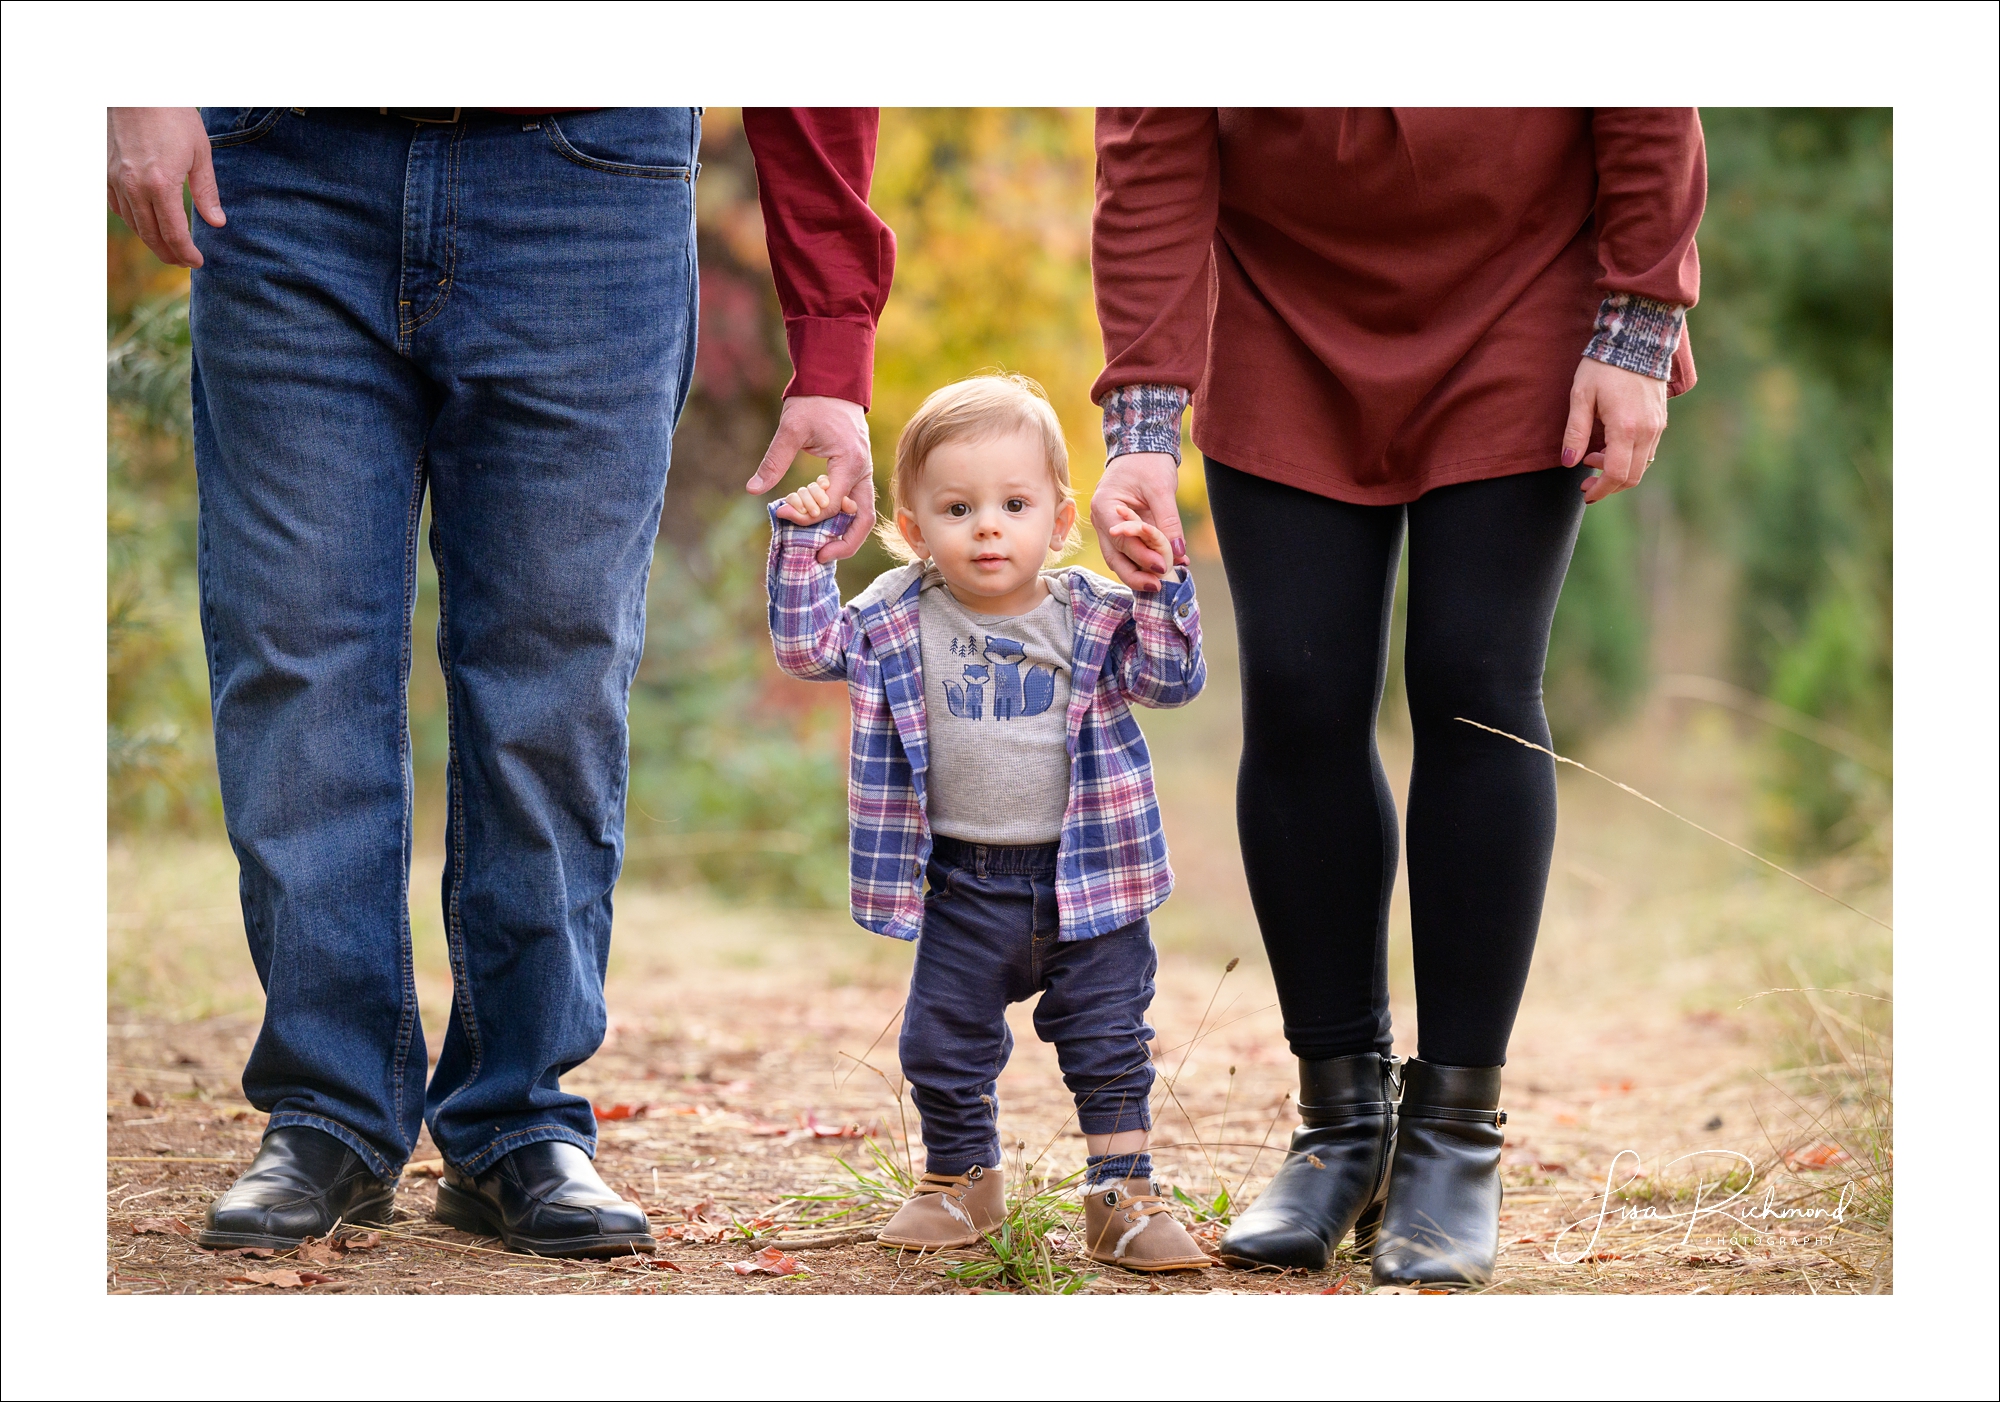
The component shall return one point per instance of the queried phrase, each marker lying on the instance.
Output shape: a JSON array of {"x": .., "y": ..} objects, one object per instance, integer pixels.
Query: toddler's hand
[
  {"x": 813, "y": 503},
  {"x": 1135, "y": 531}
]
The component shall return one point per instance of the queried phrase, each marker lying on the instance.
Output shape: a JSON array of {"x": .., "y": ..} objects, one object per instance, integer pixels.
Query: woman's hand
[
  {"x": 812, "y": 503},
  {"x": 1633, "y": 409},
  {"x": 1139, "y": 486}
]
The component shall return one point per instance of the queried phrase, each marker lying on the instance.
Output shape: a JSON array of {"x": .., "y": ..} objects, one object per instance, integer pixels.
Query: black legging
[{"x": 1314, "y": 580}]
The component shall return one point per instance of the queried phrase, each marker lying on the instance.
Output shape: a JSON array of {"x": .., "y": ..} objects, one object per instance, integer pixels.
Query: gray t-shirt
[{"x": 996, "y": 701}]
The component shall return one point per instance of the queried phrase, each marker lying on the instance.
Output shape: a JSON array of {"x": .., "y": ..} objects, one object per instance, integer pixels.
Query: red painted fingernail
[
  {"x": 1569, "y": 457},
  {"x": 1180, "y": 548}
]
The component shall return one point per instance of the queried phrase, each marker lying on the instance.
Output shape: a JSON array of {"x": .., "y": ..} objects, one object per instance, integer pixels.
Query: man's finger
[
  {"x": 1576, "y": 433},
  {"x": 777, "y": 458},
  {"x": 856, "y": 535},
  {"x": 139, "y": 214},
  {"x": 171, "y": 217},
  {"x": 207, "y": 196}
]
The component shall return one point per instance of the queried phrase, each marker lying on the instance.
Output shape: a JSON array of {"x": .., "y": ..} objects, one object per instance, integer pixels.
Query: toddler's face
[{"x": 988, "y": 513}]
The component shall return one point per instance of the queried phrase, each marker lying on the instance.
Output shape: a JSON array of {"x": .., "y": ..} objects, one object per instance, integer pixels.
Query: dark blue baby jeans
[
  {"x": 989, "y": 941},
  {"x": 499, "y": 313}
]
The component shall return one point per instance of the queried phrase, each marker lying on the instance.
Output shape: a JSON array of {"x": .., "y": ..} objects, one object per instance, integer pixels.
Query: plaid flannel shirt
[{"x": 1111, "y": 866}]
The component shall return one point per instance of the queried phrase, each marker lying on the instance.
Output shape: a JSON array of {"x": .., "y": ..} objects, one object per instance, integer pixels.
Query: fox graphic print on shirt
[{"x": 996, "y": 697}]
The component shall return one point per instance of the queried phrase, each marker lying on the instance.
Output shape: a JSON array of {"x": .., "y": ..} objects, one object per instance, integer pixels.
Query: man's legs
[
  {"x": 552, "y": 300},
  {"x": 309, "y": 429}
]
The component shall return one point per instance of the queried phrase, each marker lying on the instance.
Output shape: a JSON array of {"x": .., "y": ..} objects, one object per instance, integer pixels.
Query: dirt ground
[{"x": 1674, "y": 1125}]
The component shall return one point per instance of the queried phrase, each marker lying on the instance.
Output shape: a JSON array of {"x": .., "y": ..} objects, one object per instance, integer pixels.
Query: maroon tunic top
[{"x": 1369, "y": 302}]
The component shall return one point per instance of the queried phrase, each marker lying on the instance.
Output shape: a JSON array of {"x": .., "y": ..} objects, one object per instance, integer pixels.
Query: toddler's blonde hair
[{"x": 967, "y": 411}]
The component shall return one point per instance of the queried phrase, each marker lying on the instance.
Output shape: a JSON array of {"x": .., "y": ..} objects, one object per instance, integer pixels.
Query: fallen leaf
[
  {"x": 698, "y": 1211},
  {"x": 242, "y": 1115},
  {"x": 161, "y": 1226},
  {"x": 765, "y": 1129},
  {"x": 769, "y": 1261},
  {"x": 260, "y": 1253},
  {"x": 143, "y": 1100},
  {"x": 1336, "y": 1287},
  {"x": 315, "y": 1251},
  {"x": 757, "y": 1224},
  {"x": 424, "y": 1168},
  {"x": 1561, "y": 1168},
  {"x": 646, "y": 1263},
  {"x": 360, "y": 1241},
  {"x": 811, "y": 1123},
  {"x": 1821, "y": 1155},
  {"x": 1604, "y": 1256},
  {"x": 1434, "y": 1292},
  {"x": 620, "y": 1111},
  {"x": 280, "y": 1280}
]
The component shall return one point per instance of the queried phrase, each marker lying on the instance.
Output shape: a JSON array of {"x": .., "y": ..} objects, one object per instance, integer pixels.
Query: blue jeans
[
  {"x": 499, "y": 312},
  {"x": 989, "y": 940}
]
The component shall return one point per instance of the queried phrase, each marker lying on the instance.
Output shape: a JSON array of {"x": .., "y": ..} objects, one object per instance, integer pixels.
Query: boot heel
[
  {"x": 464, "y": 1212},
  {"x": 1367, "y": 1228}
]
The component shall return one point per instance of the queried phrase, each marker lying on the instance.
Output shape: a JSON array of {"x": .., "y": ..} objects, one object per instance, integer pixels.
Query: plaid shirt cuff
[
  {"x": 1144, "y": 419},
  {"x": 1637, "y": 334}
]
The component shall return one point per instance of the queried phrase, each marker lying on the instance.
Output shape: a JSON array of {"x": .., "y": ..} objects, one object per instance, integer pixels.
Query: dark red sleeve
[
  {"x": 1159, "y": 186},
  {"x": 831, "y": 255},
  {"x": 1652, "y": 185}
]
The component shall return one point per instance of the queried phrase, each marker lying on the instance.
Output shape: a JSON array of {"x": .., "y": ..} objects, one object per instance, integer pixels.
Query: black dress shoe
[
  {"x": 1441, "y": 1224},
  {"x": 301, "y": 1184},
  {"x": 1332, "y": 1180},
  {"x": 545, "y": 1198}
]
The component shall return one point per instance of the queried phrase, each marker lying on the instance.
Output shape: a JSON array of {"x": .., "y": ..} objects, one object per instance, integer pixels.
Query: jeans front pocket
[
  {"x": 647, "y": 143},
  {"x": 238, "y": 126}
]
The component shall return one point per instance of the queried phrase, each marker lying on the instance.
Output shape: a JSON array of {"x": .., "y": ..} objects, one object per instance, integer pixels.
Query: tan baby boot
[
  {"x": 1128, "y": 1224},
  {"x": 947, "y": 1212}
]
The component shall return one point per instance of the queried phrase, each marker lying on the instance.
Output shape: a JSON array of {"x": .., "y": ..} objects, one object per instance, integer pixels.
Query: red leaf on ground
[
  {"x": 161, "y": 1226},
  {"x": 698, "y": 1211},
  {"x": 1335, "y": 1288},
  {"x": 757, "y": 1224},
  {"x": 143, "y": 1100},
  {"x": 1822, "y": 1155},
  {"x": 769, "y": 1261},
  {"x": 620, "y": 1111},
  {"x": 360, "y": 1241},
  {"x": 280, "y": 1280}
]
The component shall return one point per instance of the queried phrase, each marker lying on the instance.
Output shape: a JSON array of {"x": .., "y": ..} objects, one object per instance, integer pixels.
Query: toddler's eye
[
  {"x": 1016, "y": 505},
  {"x": 958, "y": 508}
]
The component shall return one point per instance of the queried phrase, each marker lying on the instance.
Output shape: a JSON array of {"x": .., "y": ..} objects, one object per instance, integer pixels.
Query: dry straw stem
[{"x": 1783, "y": 871}]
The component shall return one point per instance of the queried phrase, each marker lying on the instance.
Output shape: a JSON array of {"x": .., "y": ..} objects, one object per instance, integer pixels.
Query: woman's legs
[
  {"x": 1487, "y": 561},
  {"x": 1313, "y": 581}
]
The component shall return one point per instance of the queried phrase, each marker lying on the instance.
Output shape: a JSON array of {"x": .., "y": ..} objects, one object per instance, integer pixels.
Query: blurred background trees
[{"x": 1751, "y": 572}]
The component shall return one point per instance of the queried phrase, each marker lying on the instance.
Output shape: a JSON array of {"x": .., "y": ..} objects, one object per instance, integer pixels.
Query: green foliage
[
  {"x": 158, "y": 752},
  {"x": 1597, "y": 648},
  {"x": 1781, "y": 457},
  {"x": 739, "y": 774}
]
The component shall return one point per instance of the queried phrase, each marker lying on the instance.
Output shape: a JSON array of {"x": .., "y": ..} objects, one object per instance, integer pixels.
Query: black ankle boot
[
  {"x": 1441, "y": 1223},
  {"x": 1332, "y": 1179}
]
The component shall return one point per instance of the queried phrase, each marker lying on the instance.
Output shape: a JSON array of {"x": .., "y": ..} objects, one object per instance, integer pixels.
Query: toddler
[{"x": 1000, "y": 795}]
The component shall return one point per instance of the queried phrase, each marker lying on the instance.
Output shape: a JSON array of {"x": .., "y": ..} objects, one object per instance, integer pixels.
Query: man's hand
[
  {"x": 152, "y": 152},
  {"x": 837, "y": 430},
  {"x": 1139, "y": 486},
  {"x": 1633, "y": 409}
]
